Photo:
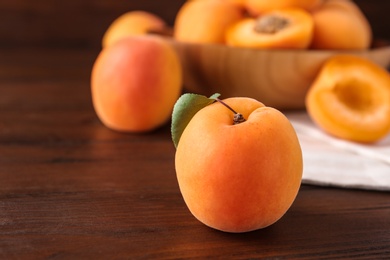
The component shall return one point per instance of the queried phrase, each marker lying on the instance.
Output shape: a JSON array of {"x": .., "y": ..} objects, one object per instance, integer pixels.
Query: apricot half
[
  {"x": 238, "y": 177},
  {"x": 350, "y": 99},
  {"x": 285, "y": 28}
]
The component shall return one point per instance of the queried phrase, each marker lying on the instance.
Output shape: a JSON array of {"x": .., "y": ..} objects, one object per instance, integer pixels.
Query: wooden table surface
[{"x": 72, "y": 189}]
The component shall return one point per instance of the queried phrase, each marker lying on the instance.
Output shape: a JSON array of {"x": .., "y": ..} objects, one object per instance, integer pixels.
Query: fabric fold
[{"x": 329, "y": 161}]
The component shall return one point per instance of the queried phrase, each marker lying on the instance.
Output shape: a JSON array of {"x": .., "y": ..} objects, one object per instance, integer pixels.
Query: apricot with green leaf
[{"x": 238, "y": 163}]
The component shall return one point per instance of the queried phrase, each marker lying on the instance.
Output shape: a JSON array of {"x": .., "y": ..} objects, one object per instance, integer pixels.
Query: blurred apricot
[
  {"x": 340, "y": 25},
  {"x": 132, "y": 23},
  {"x": 135, "y": 83},
  {"x": 284, "y": 28},
  {"x": 350, "y": 99},
  {"x": 205, "y": 21},
  {"x": 257, "y": 7}
]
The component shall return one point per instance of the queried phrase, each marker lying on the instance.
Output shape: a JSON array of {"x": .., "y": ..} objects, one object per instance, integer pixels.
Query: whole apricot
[
  {"x": 205, "y": 21},
  {"x": 289, "y": 28},
  {"x": 340, "y": 25},
  {"x": 257, "y": 7},
  {"x": 133, "y": 23},
  {"x": 238, "y": 2},
  {"x": 350, "y": 99},
  {"x": 135, "y": 83},
  {"x": 240, "y": 171}
]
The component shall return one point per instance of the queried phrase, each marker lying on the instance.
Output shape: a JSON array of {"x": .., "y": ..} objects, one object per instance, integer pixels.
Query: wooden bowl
[{"x": 278, "y": 78}]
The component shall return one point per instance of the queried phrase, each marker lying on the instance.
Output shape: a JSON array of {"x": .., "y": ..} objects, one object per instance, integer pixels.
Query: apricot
[
  {"x": 205, "y": 21},
  {"x": 350, "y": 99},
  {"x": 340, "y": 25},
  {"x": 290, "y": 28},
  {"x": 257, "y": 7},
  {"x": 238, "y": 176},
  {"x": 133, "y": 23},
  {"x": 240, "y": 3},
  {"x": 135, "y": 83}
]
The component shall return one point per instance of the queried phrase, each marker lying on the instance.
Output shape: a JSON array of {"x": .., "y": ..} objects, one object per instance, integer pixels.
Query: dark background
[{"x": 81, "y": 23}]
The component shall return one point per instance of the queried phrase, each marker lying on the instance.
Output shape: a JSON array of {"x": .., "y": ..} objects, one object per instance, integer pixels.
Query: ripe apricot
[
  {"x": 350, "y": 99},
  {"x": 135, "y": 83},
  {"x": 205, "y": 21},
  {"x": 257, "y": 7},
  {"x": 132, "y": 23},
  {"x": 238, "y": 177},
  {"x": 284, "y": 28},
  {"x": 340, "y": 25},
  {"x": 240, "y": 3}
]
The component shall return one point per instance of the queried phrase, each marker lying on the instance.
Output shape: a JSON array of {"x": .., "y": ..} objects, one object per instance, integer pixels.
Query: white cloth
[{"x": 329, "y": 161}]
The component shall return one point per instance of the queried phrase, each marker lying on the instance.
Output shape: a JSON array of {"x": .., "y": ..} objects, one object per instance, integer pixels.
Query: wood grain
[
  {"x": 278, "y": 78},
  {"x": 72, "y": 189}
]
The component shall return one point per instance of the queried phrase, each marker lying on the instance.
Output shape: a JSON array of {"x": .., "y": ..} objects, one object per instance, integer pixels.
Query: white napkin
[{"x": 329, "y": 161}]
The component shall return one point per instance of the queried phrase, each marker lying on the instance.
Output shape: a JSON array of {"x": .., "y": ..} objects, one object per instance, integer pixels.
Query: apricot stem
[{"x": 238, "y": 118}]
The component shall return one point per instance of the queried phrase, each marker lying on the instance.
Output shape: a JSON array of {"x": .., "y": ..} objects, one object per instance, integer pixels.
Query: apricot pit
[
  {"x": 271, "y": 24},
  {"x": 290, "y": 28}
]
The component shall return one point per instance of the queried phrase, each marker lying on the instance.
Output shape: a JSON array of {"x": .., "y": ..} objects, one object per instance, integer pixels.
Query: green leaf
[{"x": 183, "y": 111}]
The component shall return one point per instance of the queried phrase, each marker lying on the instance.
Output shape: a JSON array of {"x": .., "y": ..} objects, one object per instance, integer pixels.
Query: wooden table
[{"x": 72, "y": 189}]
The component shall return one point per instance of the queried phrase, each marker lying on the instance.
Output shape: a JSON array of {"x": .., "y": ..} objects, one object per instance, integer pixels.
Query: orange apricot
[
  {"x": 284, "y": 28},
  {"x": 257, "y": 7},
  {"x": 135, "y": 83},
  {"x": 340, "y": 25},
  {"x": 238, "y": 2},
  {"x": 205, "y": 21},
  {"x": 133, "y": 23},
  {"x": 350, "y": 99},
  {"x": 235, "y": 175}
]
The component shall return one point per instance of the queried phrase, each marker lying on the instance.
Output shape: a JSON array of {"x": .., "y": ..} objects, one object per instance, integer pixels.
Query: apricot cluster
[
  {"x": 143, "y": 99},
  {"x": 288, "y": 24},
  {"x": 251, "y": 180}
]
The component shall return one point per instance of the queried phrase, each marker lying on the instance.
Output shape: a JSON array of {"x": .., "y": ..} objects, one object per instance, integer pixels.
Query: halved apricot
[
  {"x": 284, "y": 28},
  {"x": 350, "y": 99}
]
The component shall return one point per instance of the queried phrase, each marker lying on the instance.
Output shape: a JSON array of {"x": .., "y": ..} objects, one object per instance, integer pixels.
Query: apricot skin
[
  {"x": 258, "y": 7},
  {"x": 239, "y": 178},
  {"x": 240, "y": 3},
  {"x": 135, "y": 83},
  {"x": 340, "y": 25},
  {"x": 205, "y": 21},
  {"x": 296, "y": 35},
  {"x": 350, "y": 99},
  {"x": 130, "y": 24}
]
